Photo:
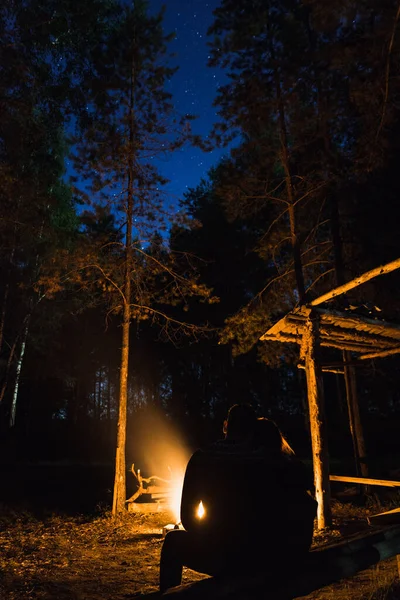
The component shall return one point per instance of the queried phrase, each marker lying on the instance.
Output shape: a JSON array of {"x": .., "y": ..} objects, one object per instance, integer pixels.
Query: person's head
[
  {"x": 240, "y": 422},
  {"x": 269, "y": 437}
]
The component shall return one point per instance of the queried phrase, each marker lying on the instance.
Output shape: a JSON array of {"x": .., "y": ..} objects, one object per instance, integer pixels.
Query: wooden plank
[
  {"x": 370, "y": 340},
  {"x": 147, "y": 507},
  {"x": 381, "y": 354},
  {"x": 361, "y": 323},
  {"x": 281, "y": 337},
  {"x": 365, "y": 480},
  {"x": 326, "y": 342},
  {"x": 276, "y": 336},
  {"x": 346, "y": 287},
  {"x": 390, "y": 517}
]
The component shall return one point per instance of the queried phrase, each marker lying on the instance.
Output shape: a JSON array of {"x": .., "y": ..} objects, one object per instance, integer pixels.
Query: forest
[{"x": 126, "y": 317}]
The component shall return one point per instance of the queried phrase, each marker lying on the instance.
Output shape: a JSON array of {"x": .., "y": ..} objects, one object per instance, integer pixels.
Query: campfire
[{"x": 160, "y": 490}]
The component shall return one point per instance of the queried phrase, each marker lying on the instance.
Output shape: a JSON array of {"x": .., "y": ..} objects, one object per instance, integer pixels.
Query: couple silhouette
[{"x": 247, "y": 505}]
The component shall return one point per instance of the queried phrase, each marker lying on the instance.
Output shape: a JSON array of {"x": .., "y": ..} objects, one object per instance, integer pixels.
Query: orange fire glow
[
  {"x": 160, "y": 449},
  {"x": 175, "y": 497},
  {"x": 201, "y": 511}
]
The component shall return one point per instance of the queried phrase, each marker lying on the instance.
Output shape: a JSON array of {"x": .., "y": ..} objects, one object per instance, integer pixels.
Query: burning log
[{"x": 157, "y": 492}]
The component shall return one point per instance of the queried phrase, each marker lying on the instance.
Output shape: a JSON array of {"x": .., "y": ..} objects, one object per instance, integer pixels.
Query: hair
[
  {"x": 240, "y": 422},
  {"x": 269, "y": 436}
]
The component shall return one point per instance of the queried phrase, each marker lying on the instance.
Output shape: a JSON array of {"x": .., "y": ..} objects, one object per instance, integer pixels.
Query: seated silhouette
[{"x": 256, "y": 508}]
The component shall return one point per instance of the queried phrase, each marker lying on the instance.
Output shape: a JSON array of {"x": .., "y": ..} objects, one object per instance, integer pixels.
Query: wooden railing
[{"x": 365, "y": 480}]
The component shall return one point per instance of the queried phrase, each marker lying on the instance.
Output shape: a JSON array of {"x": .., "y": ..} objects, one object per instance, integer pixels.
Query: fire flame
[
  {"x": 200, "y": 510},
  {"x": 176, "y": 493}
]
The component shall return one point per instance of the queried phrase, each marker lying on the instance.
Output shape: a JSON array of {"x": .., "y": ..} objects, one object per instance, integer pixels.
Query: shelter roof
[{"x": 370, "y": 338}]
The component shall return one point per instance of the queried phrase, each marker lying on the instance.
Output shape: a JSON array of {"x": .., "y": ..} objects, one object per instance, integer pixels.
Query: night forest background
[{"x": 306, "y": 198}]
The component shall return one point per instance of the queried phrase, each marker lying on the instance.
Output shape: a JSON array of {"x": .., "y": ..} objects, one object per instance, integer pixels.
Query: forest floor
[{"x": 59, "y": 557}]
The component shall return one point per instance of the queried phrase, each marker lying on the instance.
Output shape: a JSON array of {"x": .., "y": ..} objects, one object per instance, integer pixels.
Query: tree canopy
[{"x": 109, "y": 299}]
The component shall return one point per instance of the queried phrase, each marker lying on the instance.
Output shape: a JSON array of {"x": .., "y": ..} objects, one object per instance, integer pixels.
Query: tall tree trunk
[
  {"x": 119, "y": 496},
  {"x": 285, "y": 158},
  {"x": 6, "y": 376},
  {"x": 24, "y": 337}
]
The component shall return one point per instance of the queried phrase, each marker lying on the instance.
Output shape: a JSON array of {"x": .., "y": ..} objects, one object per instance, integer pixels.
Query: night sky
[{"x": 194, "y": 87}]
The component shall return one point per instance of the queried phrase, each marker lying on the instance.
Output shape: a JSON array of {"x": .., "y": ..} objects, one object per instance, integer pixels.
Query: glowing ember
[{"x": 200, "y": 510}]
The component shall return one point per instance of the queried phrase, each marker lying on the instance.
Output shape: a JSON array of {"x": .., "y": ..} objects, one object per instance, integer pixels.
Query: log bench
[{"x": 324, "y": 565}]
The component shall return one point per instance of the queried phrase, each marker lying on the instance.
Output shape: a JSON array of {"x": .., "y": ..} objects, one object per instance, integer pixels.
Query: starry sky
[{"x": 194, "y": 87}]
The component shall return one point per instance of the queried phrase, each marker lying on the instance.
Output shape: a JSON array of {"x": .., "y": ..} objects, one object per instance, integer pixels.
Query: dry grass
[{"x": 97, "y": 558}]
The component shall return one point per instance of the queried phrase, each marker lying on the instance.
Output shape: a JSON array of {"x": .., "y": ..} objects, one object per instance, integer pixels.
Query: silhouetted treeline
[{"x": 306, "y": 199}]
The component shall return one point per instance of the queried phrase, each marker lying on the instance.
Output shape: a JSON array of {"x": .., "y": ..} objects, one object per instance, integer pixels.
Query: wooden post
[{"x": 319, "y": 442}]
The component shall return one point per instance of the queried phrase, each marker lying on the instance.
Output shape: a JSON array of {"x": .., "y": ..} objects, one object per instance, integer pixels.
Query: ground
[{"x": 58, "y": 557}]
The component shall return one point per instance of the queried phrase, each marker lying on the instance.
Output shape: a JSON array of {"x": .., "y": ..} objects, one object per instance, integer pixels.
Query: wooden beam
[
  {"x": 390, "y": 517},
  {"x": 346, "y": 287},
  {"x": 381, "y": 354},
  {"x": 275, "y": 329},
  {"x": 358, "y": 337},
  {"x": 365, "y": 480},
  {"x": 281, "y": 337},
  {"x": 361, "y": 323},
  {"x": 329, "y": 343}
]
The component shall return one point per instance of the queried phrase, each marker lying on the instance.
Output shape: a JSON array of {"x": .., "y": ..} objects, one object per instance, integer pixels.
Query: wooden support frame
[
  {"x": 309, "y": 351},
  {"x": 365, "y": 480},
  {"x": 369, "y": 338}
]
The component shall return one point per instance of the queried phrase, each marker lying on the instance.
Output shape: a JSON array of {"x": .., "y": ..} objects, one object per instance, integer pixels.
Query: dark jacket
[{"x": 248, "y": 497}]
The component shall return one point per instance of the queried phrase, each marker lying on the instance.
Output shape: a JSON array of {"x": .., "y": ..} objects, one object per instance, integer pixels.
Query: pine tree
[
  {"x": 302, "y": 106},
  {"x": 44, "y": 47},
  {"x": 129, "y": 121},
  {"x": 269, "y": 109}
]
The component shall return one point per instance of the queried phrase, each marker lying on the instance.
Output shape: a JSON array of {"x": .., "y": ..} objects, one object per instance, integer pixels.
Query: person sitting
[
  {"x": 211, "y": 478},
  {"x": 233, "y": 533}
]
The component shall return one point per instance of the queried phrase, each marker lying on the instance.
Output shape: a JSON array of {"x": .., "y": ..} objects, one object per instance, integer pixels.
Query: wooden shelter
[{"x": 311, "y": 328}]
